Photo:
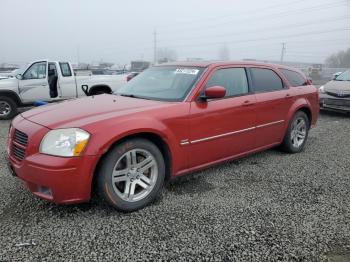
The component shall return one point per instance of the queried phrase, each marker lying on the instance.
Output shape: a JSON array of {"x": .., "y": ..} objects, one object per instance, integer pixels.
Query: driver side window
[
  {"x": 36, "y": 71},
  {"x": 233, "y": 79}
]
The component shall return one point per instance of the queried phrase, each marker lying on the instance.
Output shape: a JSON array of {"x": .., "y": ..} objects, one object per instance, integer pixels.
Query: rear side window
[
  {"x": 265, "y": 80},
  {"x": 65, "y": 69},
  {"x": 294, "y": 78},
  {"x": 233, "y": 79}
]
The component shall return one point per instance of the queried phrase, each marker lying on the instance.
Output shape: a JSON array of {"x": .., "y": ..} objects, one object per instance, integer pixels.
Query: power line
[
  {"x": 288, "y": 26},
  {"x": 230, "y": 15},
  {"x": 270, "y": 16},
  {"x": 267, "y": 38}
]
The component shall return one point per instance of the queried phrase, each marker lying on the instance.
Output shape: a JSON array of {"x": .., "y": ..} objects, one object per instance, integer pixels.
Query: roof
[
  {"x": 221, "y": 63},
  {"x": 226, "y": 63}
]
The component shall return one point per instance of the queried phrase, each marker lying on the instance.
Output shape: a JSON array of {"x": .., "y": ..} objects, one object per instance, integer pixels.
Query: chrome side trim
[
  {"x": 184, "y": 142},
  {"x": 270, "y": 124},
  {"x": 222, "y": 135},
  {"x": 187, "y": 142}
]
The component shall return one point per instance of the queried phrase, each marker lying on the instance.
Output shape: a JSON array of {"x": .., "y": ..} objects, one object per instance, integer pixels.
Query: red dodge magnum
[{"x": 170, "y": 120}]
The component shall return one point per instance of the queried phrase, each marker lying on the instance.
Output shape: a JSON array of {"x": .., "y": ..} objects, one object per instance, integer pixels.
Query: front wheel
[
  {"x": 132, "y": 175},
  {"x": 297, "y": 133},
  {"x": 8, "y": 108}
]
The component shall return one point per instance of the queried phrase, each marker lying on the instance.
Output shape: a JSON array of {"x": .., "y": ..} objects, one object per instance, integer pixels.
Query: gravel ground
[{"x": 270, "y": 206}]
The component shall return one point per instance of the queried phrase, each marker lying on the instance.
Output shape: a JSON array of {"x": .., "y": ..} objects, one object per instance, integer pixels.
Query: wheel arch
[
  {"x": 11, "y": 94},
  {"x": 104, "y": 87},
  {"x": 307, "y": 111},
  {"x": 301, "y": 104},
  {"x": 154, "y": 137}
]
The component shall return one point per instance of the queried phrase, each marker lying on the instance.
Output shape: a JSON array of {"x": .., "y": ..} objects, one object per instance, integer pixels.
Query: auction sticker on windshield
[{"x": 187, "y": 71}]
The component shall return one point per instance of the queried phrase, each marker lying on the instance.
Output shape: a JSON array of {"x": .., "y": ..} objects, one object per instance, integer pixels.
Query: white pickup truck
[{"x": 50, "y": 81}]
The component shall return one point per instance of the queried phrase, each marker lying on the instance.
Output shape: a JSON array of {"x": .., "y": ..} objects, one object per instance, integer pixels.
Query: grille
[
  {"x": 20, "y": 138},
  {"x": 18, "y": 152},
  {"x": 341, "y": 95},
  {"x": 337, "y": 102},
  {"x": 20, "y": 141}
]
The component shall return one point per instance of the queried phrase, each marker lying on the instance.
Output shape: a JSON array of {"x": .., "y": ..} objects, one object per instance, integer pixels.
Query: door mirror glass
[{"x": 214, "y": 92}]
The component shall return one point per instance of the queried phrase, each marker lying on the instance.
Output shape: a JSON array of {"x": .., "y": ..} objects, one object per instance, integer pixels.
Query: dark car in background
[{"x": 335, "y": 95}]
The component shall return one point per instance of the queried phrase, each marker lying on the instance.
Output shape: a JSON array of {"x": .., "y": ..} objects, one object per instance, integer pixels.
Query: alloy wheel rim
[
  {"x": 5, "y": 108},
  {"x": 135, "y": 175},
  {"x": 298, "y": 133}
]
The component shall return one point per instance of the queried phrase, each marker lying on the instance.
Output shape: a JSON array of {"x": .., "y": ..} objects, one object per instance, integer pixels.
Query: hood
[
  {"x": 8, "y": 82},
  {"x": 334, "y": 86},
  {"x": 83, "y": 111}
]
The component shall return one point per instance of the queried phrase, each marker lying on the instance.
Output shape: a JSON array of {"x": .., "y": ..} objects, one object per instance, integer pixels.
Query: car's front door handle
[{"x": 248, "y": 103}]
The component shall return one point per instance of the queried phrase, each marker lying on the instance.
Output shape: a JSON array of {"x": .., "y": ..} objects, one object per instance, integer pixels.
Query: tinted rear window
[
  {"x": 294, "y": 78},
  {"x": 265, "y": 80}
]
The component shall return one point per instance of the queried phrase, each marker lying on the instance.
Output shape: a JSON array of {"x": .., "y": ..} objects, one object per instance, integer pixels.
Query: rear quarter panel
[
  {"x": 305, "y": 97},
  {"x": 113, "y": 81}
]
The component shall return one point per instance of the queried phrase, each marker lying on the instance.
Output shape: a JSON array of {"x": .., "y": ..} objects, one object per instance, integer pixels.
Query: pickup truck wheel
[
  {"x": 98, "y": 92},
  {"x": 297, "y": 133},
  {"x": 8, "y": 108},
  {"x": 131, "y": 175}
]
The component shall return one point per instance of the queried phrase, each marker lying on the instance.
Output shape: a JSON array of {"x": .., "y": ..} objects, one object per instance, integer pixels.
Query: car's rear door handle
[
  {"x": 248, "y": 103},
  {"x": 288, "y": 96}
]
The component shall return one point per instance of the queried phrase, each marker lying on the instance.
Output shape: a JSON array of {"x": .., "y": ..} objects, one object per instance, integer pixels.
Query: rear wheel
[
  {"x": 131, "y": 175},
  {"x": 99, "y": 92},
  {"x": 297, "y": 133},
  {"x": 8, "y": 108}
]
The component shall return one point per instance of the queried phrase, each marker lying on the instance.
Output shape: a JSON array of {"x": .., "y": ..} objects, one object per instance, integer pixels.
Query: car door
[
  {"x": 221, "y": 128},
  {"x": 273, "y": 101},
  {"x": 34, "y": 83}
]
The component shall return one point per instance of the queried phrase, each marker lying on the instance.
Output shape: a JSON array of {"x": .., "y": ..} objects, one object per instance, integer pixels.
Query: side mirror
[
  {"x": 19, "y": 77},
  {"x": 336, "y": 75},
  {"x": 309, "y": 81},
  {"x": 214, "y": 92}
]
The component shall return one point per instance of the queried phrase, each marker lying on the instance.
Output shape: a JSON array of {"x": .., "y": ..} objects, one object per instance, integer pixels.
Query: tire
[
  {"x": 8, "y": 108},
  {"x": 98, "y": 92},
  {"x": 129, "y": 186},
  {"x": 297, "y": 133}
]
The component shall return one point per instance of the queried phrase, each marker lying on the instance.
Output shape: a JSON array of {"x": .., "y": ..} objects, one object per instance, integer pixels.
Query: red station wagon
[{"x": 170, "y": 120}]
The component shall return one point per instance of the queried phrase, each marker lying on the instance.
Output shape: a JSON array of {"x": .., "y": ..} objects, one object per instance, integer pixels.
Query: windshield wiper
[
  {"x": 133, "y": 96},
  {"x": 128, "y": 95}
]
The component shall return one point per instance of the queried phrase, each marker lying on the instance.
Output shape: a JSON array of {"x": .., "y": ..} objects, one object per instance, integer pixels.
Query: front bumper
[
  {"x": 57, "y": 179},
  {"x": 332, "y": 103}
]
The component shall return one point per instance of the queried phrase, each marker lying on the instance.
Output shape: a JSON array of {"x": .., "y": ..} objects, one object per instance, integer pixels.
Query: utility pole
[
  {"x": 283, "y": 52},
  {"x": 78, "y": 54},
  {"x": 155, "y": 46}
]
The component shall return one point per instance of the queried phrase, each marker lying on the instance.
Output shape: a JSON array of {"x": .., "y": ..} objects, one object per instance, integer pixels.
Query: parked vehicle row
[
  {"x": 335, "y": 95},
  {"x": 168, "y": 121},
  {"x": 51, "y": 81}
]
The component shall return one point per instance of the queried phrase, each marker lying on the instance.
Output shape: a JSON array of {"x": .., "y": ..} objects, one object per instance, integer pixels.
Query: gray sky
[{"x": 120, "y": 31}]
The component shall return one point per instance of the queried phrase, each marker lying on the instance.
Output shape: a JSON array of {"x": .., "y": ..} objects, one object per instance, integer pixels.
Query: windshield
[
  {"x": 168, "y": 83},
  {"x": 344, "y": 76}
]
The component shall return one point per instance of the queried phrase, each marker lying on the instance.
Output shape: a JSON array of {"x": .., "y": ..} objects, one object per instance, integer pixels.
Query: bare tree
[
  {"x": 166, "y": 55},
  {"x": 224, "y": 53},
  {"x": 339, "y": 59}
]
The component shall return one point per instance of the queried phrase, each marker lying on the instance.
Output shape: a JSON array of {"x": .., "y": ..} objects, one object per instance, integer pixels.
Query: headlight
[
  {"x": 321, "y": 89},
  {"x": 64, "y": 142}
]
